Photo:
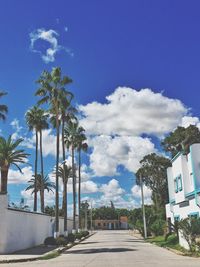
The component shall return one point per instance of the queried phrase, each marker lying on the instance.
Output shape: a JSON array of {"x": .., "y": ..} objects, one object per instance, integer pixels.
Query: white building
[{"x": 184, "y": 187}]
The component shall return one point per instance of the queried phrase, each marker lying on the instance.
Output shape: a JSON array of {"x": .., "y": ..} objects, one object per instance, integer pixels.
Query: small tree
[{"x": 190, "y": 229}]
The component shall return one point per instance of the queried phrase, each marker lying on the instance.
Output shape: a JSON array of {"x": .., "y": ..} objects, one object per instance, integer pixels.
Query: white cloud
[
  {"x": 50, "y": 36},
  {"x": 15, "y": 177},
  {"x": 189, "y": 120},
  {"x": 112, "y": 189},
  {"x": 17, "y": 128},
  {"x": 110, "y": 152},
  {"x": 49, "y": 198},
  {"x": 136, "y": 191},
  {"x": 131, "y": 112},
  {"x": 89, "y": 187}
]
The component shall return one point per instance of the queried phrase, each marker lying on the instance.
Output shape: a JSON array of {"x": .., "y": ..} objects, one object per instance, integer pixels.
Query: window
[
  {"x": 194, "y": 215},
  {"x": 176, "y": 218},
  {"x": 99, "y": 224},
  {"x": 175, "y": 185},
  {"x": 178, "y": 186}
]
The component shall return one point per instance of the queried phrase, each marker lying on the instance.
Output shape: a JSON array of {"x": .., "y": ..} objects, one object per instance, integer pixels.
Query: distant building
[
  {"x": 122, "y": 223},
  {"x": 184, "y": 187}
]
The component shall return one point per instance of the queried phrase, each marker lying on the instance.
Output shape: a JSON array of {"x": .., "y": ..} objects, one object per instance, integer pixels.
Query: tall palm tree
[
  {"x": 3, "y": 108},
  {"x": 36, "y": 119},
  {"x": 81, "y": 146},
  {"x": 72, "y": 131},
  {"x": 10, "y": 155},
  {"x": 52, "y": 88},
  {"x": 42, "y": 184},
  {"x": 65, "y": 172}
]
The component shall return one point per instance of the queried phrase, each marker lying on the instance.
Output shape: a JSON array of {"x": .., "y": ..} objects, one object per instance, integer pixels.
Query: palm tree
[
  {"x": 81, "y": 146},
  {"x": 3, "y": 108},
  {"x": 51, "y": 91},
  {"x": 36, "y": 119},
  {"x": 9, "y": 155},
  {"x": 65, "y": 172},
  {"x": 72, "y": 131},
  {"x": 42, "y": 184}
]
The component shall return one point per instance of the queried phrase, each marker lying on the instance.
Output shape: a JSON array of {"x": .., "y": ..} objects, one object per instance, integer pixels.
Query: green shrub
[
  {"x": 71, "y": 238},
  {"x": 79, "y": 235},
  {"x": 157, "y": 227},
  {"x": 50, "y": 241},
  {"x": 85, "y": 233},
  {"x": 61, "y": 241}
]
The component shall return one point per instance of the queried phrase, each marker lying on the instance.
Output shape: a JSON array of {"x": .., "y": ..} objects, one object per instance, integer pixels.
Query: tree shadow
[{"x": 99, "y": 250}]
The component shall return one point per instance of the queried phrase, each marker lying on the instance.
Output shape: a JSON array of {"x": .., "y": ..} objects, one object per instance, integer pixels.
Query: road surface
[{"x": 114, "y": 249}]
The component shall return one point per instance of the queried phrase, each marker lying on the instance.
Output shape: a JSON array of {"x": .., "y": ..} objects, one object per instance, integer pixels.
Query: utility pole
[
  {"x": 91, "y": 215},
  {"x": 86, "y": 210},
  {"x": 143, "y": 208}
]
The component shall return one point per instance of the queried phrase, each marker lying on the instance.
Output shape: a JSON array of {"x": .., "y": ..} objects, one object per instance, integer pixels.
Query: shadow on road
[{"x": 99, "y": 250}]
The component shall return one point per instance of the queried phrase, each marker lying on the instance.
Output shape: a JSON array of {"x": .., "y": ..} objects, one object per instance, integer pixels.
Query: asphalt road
[{"x": 114, "y": 249}]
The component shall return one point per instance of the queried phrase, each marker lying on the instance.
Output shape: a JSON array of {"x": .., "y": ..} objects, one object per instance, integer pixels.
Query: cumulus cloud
[
  {"x": 49, "y": 198},
  {"x": 112, "y": 189},
  {"x": 136, "y": 191},
  {"x": 132, "y": 112},
  {"x": 17, "y": 128},
  {"x": 189, "y": 120},
  {"x": 16, "y": 177},
  {"x": 110, "y": 152},
  {"x": 50, "y": 36}
]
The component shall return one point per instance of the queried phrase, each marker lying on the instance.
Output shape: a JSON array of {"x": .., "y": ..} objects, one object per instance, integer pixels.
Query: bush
[
  {"x": 157, "y": 227},
  {"x": 50, "y": 241},
  {"x": 79, "y": 235},
  {"x": 85, "y": 233},
  {"x": 61, "y": 241},
  {"x": 71, "y": 238}
]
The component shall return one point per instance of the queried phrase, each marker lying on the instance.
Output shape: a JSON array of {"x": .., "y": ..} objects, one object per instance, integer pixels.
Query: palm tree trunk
[
  {"x": 36, "y": 161},
  {"x": 64, "y": 181},
  {"x": 79, "y": 188},
  {"x": 57, "y": 182},
  {"x": 74, "y": 190},
  {"x": 42, "y": 171},
  {"x": 4, "y": 179},
  {"x": 42, "y": 199}
]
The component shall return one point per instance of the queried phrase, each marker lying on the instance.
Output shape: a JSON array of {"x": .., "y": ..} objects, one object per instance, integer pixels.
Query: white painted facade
[
  {"x": 22, "y": 229},
  {"x": 184, "y": 187}
]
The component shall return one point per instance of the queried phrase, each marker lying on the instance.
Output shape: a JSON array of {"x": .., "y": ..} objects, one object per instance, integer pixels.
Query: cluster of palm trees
[{"x": 60, "y": 113}]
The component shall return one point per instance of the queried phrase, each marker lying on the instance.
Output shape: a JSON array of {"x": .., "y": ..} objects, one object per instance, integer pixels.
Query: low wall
[{"x": 23, "y": 229}]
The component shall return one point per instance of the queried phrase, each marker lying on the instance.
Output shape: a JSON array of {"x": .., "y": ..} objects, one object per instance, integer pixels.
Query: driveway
[{"x": 114, "y": 249}]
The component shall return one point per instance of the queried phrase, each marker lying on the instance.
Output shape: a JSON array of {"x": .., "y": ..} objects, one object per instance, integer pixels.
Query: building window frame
[
  {"x": 176, "y": 218},
  {"x": 193, "y": 215}
]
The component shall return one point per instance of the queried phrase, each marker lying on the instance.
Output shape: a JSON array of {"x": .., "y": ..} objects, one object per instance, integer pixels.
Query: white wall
[{"x": 22, "y": 229}]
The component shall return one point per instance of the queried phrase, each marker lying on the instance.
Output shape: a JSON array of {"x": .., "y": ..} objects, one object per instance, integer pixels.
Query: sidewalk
[
  {"x": 36, "y": 253},
  {"x": 30, "y": 254}
]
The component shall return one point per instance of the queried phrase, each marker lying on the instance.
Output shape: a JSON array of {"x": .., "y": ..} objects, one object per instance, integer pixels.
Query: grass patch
[
  {"x": 51, "y": 255},
  {"x": 172, "y": 243}
]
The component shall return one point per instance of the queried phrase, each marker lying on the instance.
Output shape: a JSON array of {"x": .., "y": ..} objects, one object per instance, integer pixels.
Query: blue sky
[{"x": 102, "y": 46}]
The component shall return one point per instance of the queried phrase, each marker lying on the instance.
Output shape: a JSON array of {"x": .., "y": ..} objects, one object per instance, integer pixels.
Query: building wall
[
  {"x": 185, "y": 202},
  {"x": 106, "y": 224},
  {"x": 22, "y": 229}
]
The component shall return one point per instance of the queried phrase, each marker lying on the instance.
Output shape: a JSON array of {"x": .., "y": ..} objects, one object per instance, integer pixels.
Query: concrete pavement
[{"x": 114, "y": 249}]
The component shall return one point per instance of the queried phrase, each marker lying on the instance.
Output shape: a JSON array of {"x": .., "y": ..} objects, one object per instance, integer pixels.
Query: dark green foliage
[
  {"x": 85, "y": 233},
  {"x": 78, "y": 236},
  {"x": 190, "y": 228},
  {"x": 61, "y": 241},
  {"x": 158, "y": 227},
  {"x": 154, "y": 175},
  {"x": 50, "y": 241},
  {"x": 71, "y": 238},
  {"x": 181, "y": 139}
]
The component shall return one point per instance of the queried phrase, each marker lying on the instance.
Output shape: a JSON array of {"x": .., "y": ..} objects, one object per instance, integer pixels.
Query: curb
[{"x": 60, "y": 250}]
